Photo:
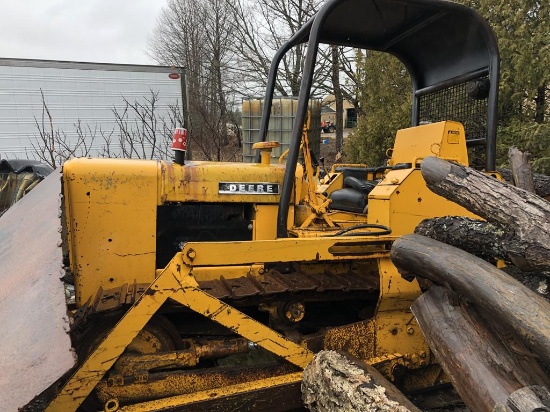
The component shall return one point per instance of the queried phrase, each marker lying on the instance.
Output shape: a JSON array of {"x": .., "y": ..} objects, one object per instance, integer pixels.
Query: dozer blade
[{"x": 35, "y": 348}]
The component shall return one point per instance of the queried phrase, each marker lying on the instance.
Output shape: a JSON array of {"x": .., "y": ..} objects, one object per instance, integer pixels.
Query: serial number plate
[{"x": 236, "y": 188}]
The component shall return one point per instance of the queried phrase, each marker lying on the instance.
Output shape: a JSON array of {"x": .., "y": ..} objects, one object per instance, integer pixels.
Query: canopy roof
[
  {"x": 436, "y": 40},
  {"x": 442, "y": 44}
]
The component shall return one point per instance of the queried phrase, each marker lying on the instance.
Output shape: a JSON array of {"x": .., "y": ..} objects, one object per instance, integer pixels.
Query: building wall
[
  {"x": 73, "y": 92},
  {"x": 330, "y": 102}
]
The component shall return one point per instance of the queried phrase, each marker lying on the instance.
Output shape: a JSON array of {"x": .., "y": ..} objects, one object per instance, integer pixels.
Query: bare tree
[
  {"x": 341, "y": 86},
  {"x": 141, "y": 132},
  {"x": 199, "y": 36},
  {"x": 338, "y": 96},
  {"x": 53, "y": 146},
  {"x": 344, "y": 62},
  {"x": 227, "y": 48},
  {"x": 264, "y": 26}
]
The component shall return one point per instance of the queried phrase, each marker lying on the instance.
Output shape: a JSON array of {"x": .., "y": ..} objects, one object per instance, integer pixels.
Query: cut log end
[
  {"x": 521, "y": 169},
  {"x": 334, "y": 381},
  {"x": 434, "y": 170}
]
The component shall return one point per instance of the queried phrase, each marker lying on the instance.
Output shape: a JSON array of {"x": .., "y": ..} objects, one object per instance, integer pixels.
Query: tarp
[
  {"x": 17, "y": 178},
  {"x": 35, "y": 348}
]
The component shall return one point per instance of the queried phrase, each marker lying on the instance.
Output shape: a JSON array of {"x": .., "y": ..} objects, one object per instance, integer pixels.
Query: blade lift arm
[{"x": 177, "y": 282}]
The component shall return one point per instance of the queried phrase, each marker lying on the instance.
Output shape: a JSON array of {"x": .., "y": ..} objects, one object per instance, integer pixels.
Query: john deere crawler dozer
[{"x": 211, "y": 285}]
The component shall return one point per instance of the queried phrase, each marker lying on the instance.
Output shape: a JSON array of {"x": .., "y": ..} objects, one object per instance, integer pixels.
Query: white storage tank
[{"x": 283, "y": 113}]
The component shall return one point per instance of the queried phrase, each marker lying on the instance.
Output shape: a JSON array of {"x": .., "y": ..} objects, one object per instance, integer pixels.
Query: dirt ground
[{"x": 328, "y": 148}]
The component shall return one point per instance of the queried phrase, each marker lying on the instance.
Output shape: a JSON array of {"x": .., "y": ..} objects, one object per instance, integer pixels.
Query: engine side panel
[
  {"x": 221, "y": 182},
  {"x": 126, "y": 218},
  {"x": 111, "y": 207}
]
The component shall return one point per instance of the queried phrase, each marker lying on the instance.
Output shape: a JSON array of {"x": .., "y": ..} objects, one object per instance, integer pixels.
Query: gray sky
[{"x": 105, "y": 31}]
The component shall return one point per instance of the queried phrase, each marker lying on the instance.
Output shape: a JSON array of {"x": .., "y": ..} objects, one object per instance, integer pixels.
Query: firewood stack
[
  {"x": 489, "y": 328},
  {"x": 489, "y": 331}
]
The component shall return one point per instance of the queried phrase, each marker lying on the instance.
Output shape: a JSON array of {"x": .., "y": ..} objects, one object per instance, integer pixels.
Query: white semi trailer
[{"x": 95, "y": 109}]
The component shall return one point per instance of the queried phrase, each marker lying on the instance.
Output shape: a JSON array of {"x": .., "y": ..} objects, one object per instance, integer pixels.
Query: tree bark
[
  {"x": 484, "y": 240},
  {"x": 496, "y": 295},
  {"x": 338, "y": 382},
  {"x": 525, "y": 215},
  {"x": 530, "y": 399},
  {"x": 482, "y": 369},
  {"x": 490, "y": 242},
  {"x": 542, "y": 182},
  {"x": 535, "y": 281},
  {"x": 521, "y": 169},
  {"x": 540, "y": 104}
]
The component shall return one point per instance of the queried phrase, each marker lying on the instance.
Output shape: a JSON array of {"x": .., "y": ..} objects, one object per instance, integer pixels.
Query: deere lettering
[{"x": 234, "y": 188}]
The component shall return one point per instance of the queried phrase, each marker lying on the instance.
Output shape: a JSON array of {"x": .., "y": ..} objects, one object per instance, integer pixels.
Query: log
[
  {"x": 482, "y": 239},
  {"x": 521, "y": 169},
  {"x": 488, "y": 241},
  {"x": 533, "y": 280},
  {"x": 530, "y": 399},
  {"x": 496, "y": 295},
  {"x": 524, "y": 214},
  {"x": 542, "y": 182},
  {"x": 335, "y": 381},
  {"x": 482, "y": 369}
]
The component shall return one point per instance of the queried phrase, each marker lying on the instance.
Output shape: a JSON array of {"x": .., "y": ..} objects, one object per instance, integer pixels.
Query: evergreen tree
[
  {"x": 384, "y": 88},
  {"x": 522, "y": 29}
]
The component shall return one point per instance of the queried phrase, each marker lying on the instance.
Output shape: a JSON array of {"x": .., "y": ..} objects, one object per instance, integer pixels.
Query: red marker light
[
  {"x": 179, "y": 145},
  {"x": 174, "y": 76},
  {"x": 179, "y": 142}
]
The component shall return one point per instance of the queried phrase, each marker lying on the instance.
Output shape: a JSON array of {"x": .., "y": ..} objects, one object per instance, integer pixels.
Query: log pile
[
  {"x": 489, "y": 332},
  {"x": 524, "y": 217},
  {"x": 489, "y": 328}
]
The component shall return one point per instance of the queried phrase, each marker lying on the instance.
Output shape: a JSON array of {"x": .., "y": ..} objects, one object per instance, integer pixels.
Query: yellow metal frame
[
  {"x": 178, "y": 283},
  {"x": 175, "y": 282},
  {"x": 176, "y": 401}
]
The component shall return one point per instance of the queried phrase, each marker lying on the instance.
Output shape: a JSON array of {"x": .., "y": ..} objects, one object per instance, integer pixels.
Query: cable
[{"x": 385, "y": 230}]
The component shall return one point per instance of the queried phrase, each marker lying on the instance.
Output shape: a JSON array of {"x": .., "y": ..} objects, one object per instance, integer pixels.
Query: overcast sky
[{"x": 105, "y": 31}]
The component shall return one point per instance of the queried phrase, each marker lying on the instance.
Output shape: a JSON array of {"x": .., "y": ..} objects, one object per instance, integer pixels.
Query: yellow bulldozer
[{"x": 133, "y": 285}]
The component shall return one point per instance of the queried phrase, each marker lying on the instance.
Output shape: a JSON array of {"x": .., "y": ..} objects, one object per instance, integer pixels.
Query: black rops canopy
[{"x": 442, "y": 44}]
